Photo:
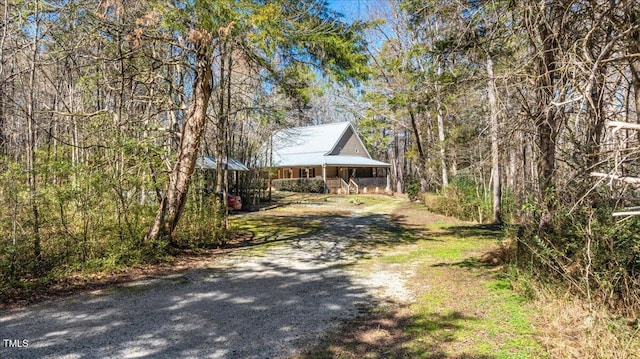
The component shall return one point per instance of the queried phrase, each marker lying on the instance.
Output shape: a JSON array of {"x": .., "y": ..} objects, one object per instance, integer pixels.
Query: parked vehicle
[{"x": 234, "y": 202}]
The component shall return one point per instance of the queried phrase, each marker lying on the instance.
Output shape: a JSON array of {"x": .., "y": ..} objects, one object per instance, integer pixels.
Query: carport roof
[{"x": 209, "y": 163}]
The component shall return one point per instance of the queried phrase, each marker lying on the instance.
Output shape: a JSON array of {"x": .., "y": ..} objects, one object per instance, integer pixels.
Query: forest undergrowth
[{"x": 583, "y": 274}]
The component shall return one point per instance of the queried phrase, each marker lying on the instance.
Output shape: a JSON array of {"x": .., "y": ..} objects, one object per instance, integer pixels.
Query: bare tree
[
  {"x": 3, "y": 38},
  {"x": 494, "y": 132},
  {"x": 31, "y": 130}
]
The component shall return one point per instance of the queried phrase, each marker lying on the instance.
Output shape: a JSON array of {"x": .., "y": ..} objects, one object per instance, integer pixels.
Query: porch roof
[
  {"x": 354, "y": 161},
  {"x": 320, "y": 159}
]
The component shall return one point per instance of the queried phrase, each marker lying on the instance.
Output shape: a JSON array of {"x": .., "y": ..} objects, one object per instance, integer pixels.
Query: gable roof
[
  {"x": 312, "y": 146},
  {"x": 311, "y": 139}
]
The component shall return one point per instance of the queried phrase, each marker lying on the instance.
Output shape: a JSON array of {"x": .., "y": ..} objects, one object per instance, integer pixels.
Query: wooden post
[
  {"x": 324, "y": 177},
  {"x": 388, "y": 189}
]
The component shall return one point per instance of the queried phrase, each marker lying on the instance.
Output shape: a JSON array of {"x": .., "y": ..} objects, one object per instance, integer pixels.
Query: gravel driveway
[{"x": 262, "y": 306}]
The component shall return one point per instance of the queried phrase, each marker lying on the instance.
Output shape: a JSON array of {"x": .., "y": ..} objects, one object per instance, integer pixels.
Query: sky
[
  {"x": 364, "y": 10},
  {"x": 352, "y": 9}
]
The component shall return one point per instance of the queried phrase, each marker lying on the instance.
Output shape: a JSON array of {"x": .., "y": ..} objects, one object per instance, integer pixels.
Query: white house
[{"x": 333, "y": 153}]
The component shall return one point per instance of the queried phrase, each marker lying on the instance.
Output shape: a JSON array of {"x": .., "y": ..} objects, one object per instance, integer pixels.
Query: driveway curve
[{"x": 260, "y": 306}]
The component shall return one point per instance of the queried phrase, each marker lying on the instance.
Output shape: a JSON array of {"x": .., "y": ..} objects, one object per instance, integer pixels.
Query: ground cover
[
  {"x": 462, "y": 307},
  {"x": 413, "y": 284}
]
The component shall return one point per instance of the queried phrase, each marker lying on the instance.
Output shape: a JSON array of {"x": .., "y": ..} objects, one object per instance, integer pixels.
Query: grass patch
[
  {"x": 369, "y": 203},
  {"x": 468, "y": 311},
  {"x": 441, "y": 247},
  {"x": 464, "y": 307},
  {"x": 259, "y": 231},
  {"x": 274, "y": 226},
  {"x": 478, "y": 317}
]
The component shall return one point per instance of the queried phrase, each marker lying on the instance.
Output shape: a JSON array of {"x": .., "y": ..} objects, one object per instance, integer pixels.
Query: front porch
[{"x": 333, "y": 179}]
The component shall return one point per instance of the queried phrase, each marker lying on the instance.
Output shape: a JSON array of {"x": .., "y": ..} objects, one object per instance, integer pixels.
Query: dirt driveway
[{"x": 250, "y": 304}]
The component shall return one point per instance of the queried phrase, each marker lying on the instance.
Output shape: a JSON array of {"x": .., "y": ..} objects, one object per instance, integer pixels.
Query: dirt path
[{"x": 344, "y": 289}]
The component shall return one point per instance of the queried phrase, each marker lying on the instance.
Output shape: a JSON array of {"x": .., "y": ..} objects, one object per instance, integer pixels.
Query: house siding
[{"x": 349, "y": 145}]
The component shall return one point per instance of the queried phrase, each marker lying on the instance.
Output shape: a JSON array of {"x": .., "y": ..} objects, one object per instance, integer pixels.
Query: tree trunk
[
  {"x": 495, "y": 154},
  {"x": 547, "y": 123},
  {"x": 596, "y": 123},
  {"x": 441, "y": 138},
  {"x": 422, "y": 158},
  {"x": 3, "y": 141},
  {"x": 180, "y": 177},
  {"x": 3, "y": 36},
  {"x": 633, "y": 15},
  {"x": 31, "y": 138},
  {"x": 512, "y": 173},
  {"x": 222, "y": 138},
  {"x": 453, "y": 153},
  {"x": 397, "y": 161}
]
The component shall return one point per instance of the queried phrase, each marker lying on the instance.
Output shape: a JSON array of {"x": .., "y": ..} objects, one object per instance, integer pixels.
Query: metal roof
[
  {"x": 312, "y": 145},
  {"x": 315, "y": 159},
  {"x": 353, "y": 161},
  {"x": 298, "y": 159},
  {"x": 310, "y": 139},
  {"x": 209, "y": 163}
]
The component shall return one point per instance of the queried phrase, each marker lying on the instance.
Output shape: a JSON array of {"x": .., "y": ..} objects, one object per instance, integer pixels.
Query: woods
[
  {"x": 106, "y": 106},
  {"x": 493, "y": 111},
  {"x": 526, "y": 92}
]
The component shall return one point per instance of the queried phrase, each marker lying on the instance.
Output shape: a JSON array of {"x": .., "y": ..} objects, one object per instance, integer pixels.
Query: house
[{"x": 333, "y": 154}]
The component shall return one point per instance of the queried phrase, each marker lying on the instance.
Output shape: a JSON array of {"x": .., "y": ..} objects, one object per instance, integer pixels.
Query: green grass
[
  {"x": 368, "y": 203},
  {"x": 273, "y": 229},
  {"x": 508, "y": 322},
  {"x": 440, "y": 248},
  {"x": 275, "y": 226},
  {"x": 465, "y": 310}
]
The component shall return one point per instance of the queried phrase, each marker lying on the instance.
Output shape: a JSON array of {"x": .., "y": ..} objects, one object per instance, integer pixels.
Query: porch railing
[
  {"x": 372, "y": 182},
  {"x": 333, "y": 185},
  {"x": 353, "y": 187}
]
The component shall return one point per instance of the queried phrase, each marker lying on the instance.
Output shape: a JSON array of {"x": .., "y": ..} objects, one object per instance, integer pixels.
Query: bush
[
  {"x": 588, "y": 250},
  {"x": 307, "y": 185},
  {"x": 413, "y": 190},
  {"x": 463, "y": 199},
  {"x": 202, "y": 224}
]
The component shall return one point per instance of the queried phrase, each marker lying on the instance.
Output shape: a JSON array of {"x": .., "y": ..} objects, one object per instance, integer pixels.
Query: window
[{"x": 307, "y": 172}]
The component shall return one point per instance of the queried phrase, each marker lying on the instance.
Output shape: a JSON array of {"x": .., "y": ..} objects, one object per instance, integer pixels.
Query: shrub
[
  {"x": 463, "y": 199},
  {"x": 413, "y": 190},
  {"x": 307, "y": 185},
  {"x": 587, "y": 249}
]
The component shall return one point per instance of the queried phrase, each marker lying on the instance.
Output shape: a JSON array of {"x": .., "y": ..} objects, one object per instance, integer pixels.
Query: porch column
[
  {"x": 324, "y": 177},
  {"x": 388, "y": 189}
]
